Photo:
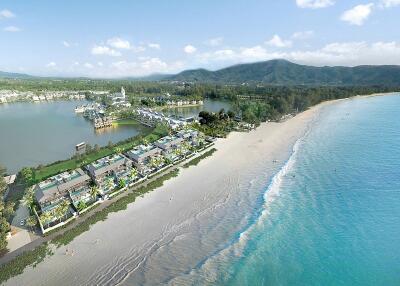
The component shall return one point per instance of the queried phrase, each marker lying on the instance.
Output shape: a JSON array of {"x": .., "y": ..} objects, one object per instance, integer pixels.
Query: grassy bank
[
  {"x": 126, "y": 122},
  {"x": 197, "y": 160},
  {"x": 35, "y": 256},
  {"x": 39, "y": 174}
]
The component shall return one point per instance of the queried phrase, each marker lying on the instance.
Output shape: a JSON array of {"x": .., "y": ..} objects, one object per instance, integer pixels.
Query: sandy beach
[{"x": 169, "y": 233}]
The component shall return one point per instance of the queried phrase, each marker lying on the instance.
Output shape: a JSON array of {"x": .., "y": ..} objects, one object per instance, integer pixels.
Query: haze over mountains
[{"x": 279, "y": 72}]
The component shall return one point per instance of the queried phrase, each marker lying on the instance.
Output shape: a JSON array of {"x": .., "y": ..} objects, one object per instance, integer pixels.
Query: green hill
[{"x": 282, "y": 72}]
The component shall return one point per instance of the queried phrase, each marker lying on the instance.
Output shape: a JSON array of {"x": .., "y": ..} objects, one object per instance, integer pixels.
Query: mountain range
[
  {"x": 282, "y": 72},
  {"x": 277, "y": 72}
]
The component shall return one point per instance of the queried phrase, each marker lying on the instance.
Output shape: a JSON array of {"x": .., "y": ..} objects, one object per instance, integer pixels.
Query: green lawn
[
  {"x": 58, "y": 167},
  {"x": 123, "y": 122}
]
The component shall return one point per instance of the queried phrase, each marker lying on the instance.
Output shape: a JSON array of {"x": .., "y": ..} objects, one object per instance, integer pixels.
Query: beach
[{"x": 172, "y": 231}]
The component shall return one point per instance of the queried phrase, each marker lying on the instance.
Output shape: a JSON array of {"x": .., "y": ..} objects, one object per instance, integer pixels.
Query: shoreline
[
  {"x": 301, "y": 121},
  {"x": 277, "y": 138}
]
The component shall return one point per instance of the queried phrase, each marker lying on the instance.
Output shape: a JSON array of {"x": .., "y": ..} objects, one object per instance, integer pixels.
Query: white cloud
[
  {"x": 6, "y": 14},
  {"x": 66, "y": 44},
  {"x": 12, "y": 29},
  {"x": 214, "y": 42},
  {"x": 303, "y": 35},
  {"x": 88, "y": 65},
  {"x": 345, "y": 53},
  {"x": 154, "y": 46},
  {"x": 119, "y": 43},
  {"x": 143, "y": 67},
  {"x": 100, "y": 64},
  {"x": 189, "y": 49},
  {"x": 278, "y": 42},
  {"x": 314, "y": 4},
  {"x": 138, "y": 49},
  {"x": 358, "y": 14},
  {"x": 389, "y": 3},
  {"x": 51, "y": 65},
  {"x": 255, "y": 53},
  {"x": 104, "y": 50}
]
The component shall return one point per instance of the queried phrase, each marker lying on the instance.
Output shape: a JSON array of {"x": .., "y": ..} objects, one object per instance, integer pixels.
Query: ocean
[
  {"x": 331, "y": 216},
  {"x": 326, "y": 212}
]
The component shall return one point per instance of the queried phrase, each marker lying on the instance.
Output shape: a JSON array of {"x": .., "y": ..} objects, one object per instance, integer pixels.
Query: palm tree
[
  {"x": 178, "y": 152},
  {"x": 110, "y": 183},
  {"x": 153, "y": 162},
  {"x": 94, "y": 192},
  {"x": 31, "y": 221},
  {"x": 28, "y": 200},
  {"x": 118, "y": 150},
  {"x": 64, "y": 207},
  {"x": 45, "y": 218},
  {"x": 58, "y": 212},
  {"x": 133, "y": 174},
  {"x": 145, "y": 141}
]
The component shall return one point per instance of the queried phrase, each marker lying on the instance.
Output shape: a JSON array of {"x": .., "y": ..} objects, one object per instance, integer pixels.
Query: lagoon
[{"x": 41, "y": 133}]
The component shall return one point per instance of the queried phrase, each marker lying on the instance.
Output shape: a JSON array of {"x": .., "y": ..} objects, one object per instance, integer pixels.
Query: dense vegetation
[
  {"x": 282, "y": 72},
  {"x": 6, "y": 211}
]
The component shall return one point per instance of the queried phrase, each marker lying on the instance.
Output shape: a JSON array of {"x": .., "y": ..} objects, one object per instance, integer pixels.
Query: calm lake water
[{"x": 41, "y": 133}]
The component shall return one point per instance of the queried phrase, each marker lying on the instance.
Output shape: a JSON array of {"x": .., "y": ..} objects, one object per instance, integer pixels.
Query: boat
[{"x": 79, "y": 109}]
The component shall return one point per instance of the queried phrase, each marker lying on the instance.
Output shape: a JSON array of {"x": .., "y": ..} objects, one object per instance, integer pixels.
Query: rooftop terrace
[{"x": 103, "y": 162}]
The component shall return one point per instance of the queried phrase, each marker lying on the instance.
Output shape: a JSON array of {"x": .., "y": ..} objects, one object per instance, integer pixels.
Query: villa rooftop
[
  {"x": 103, "y": 162},
  {"x": 142, "y": 152},
  {"x": 106, "y": 164},
  {"x": 58, "y": 185}
]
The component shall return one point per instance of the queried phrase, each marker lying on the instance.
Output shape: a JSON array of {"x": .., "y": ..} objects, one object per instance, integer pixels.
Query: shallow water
[
  {"x": 335, "y": 214},
  {"x": 330, "y": 215},
  {"x": 41, "y": 133}
]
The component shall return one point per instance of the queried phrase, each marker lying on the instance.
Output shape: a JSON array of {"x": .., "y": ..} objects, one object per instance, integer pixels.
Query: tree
[
  {"x": 89, "y": 148},
  {"x": 110, "y": 183},
  {"x": 118, "y": 150},
  {"x": 133, "y": 174},
  {"x": 45, "y": 218},
  {"x": 96, "y": 148},
  {"x": 110, "y": 145},
  {"x": 31, "y": 221},
  {"x": 28, "y": 199},
  {"x": 27, "y": 175},
  {"x": 94, "y": 191},
  {"x": 8, "y": 209},
  {"x": 4, "y": 229},
  {"x": 81, "y": 206},
  {"x": 64, "y": 207},
  {"x": 121, "y": 184}
]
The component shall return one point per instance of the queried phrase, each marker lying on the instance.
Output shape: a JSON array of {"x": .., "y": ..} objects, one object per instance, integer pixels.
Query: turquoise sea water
[{"x": 332, "y": 214}]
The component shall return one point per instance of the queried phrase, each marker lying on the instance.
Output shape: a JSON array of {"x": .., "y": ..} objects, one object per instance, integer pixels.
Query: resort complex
[{"x": 62, "y": 197}]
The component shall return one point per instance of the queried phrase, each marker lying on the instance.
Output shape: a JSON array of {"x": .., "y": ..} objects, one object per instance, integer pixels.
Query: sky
[{"x": 122, "y": 38}]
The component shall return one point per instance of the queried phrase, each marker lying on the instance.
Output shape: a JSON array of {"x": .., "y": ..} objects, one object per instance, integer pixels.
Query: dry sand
[{"x": 172, "y": 229}]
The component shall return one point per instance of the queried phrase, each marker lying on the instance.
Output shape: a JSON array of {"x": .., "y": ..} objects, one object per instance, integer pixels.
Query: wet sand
[{"x": 172, "y": 231}]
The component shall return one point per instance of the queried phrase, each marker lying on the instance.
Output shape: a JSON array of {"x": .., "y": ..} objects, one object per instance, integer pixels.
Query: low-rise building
[
  {"x": 142, "y": 155},
  {"x": 51, "y": 192},
  {"x": 103, "y": 171},
  {"x": 168, "y": 143}
]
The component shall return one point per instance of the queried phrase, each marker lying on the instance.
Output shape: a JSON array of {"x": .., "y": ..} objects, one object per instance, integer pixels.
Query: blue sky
[{"x": 133, "y": 38}]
